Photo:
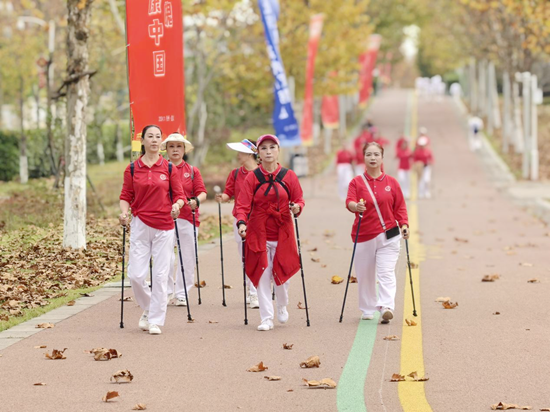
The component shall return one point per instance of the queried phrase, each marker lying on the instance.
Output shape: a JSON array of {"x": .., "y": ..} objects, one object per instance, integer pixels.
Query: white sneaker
[
  {"x": 386, "y": 315},
  {"x": 266, "y": 325},
  {"x": 248, "y": 298},
  {"x": 144, "y": 321},
  {"x": 282, "y": 314},
  {"x": 254, "y": 304},
  {"x": 181, "y": 302},
  {"x": 367, "y": 317},
  {"x": 154, "y": 330}
]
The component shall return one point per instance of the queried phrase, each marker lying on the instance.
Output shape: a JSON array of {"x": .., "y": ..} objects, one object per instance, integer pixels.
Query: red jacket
[
  {"x": 268, "y": 218},
  {"x": 424, "y": 155},
  {"x": 404, "y": 156},
  {"x": 344, "y": 157},
  {"x": 148, "y": 193},
  {"x": 233, "y": 186},
  {"x": 390, "y": 201},
  {"x": 193, "y": 187}
]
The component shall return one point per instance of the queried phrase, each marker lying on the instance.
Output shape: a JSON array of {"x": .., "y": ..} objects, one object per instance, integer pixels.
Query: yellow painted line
[{"x": 412, "y": 394}]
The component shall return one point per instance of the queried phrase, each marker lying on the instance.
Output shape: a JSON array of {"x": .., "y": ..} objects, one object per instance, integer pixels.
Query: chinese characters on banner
[
  {"x": 368, "y": 61},
  {"x": 315, "y": 30},
  {"x": 284, "y": 121},
  {"x": 155, "y": 66}
]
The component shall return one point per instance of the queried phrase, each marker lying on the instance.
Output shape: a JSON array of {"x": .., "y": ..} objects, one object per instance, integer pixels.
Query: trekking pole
[
  {"x": 151, "y": 273},
  {"x": 217, "y": 189},
  {"x": 351, "y": 264},
  {"x": 122, "y": 284},
  {"x": 273, "y": 293},
  {"x": 410, "y": 276},
  {"x": 244, "y": 287},
  {"x": 182, "y": 271},
  {"x": 301, "y": 266},
  {"x": 197, "y": 256}
]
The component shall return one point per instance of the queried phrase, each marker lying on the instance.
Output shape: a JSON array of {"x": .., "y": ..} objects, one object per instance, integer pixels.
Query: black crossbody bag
[{"x": 394, "y": 231}]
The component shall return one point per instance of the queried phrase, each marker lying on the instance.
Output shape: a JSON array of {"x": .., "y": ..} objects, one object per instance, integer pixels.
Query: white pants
[
  {"x": 475, "y": 141},
  {"x": 264, "y": 287},
  {"x": 345, "y": 174},
  {"x": 239, "y": 241},
  {"x": 187, "y": 243},
  {"x": 146, "y": 242},
  {"x": 404, "y": 179},
  {"x": 376, "y": 260},
  {"x": 424, "y": 182}
]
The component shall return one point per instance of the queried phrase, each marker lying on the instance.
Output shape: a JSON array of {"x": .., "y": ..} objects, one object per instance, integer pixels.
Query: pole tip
[
  {"x": 121, "y": 325},
  {"x": 246, "y": 321},
  {"x": 414, "y": 313}
]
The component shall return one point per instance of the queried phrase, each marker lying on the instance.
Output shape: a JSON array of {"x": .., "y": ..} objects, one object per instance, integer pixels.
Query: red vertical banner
[
  {"x": 368, "y": 61},
  {"x": 315, "y": 30},
  {"x": 330, "y": 112},
  {"x": 155, "y": 66}
]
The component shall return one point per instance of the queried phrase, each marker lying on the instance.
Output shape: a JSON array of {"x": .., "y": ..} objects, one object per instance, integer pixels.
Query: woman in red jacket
[
  {"x": 379, "y": 198},
  {"x": 177, "y": 146},
  {"x": 267, "y": 197},
  {"x": 247, "y": 156},
  {"x": 146, "y": 189}
]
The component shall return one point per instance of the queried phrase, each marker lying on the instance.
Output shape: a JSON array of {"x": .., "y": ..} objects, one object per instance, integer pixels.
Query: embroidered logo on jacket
[
  {"x": 186, "y": 175},
  {"x": 162, "y": 177},
  {"x": 388, "y": 188}
]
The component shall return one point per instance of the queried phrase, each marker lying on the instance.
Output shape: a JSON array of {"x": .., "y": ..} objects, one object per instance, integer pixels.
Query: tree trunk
[
  {"x": 49, "y": 116},
  {"x": 23, "y": 163},
  {"x": 78, "y": 87},
  {"x": 119, "y": 147}
]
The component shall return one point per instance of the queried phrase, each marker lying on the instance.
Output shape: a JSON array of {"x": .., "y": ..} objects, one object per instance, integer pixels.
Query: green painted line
[{"x": 351, "y": 387}]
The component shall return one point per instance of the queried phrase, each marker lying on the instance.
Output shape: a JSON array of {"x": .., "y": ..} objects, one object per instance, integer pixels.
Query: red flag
[
  {"x": 330, "y": 113},
  {"x": 155, "y": 66},
  {"x": 315, "y": 29},
  {"x": 368, "y": 61}
]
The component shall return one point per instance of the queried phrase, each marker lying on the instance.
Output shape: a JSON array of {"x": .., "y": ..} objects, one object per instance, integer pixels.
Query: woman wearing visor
[{"x": 247, "y": 155}]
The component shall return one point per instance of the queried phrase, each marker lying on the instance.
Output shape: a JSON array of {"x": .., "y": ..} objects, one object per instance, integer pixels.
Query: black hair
[
  {"x": 255, "y": 154},
  {"x": 145, "y": 131}
]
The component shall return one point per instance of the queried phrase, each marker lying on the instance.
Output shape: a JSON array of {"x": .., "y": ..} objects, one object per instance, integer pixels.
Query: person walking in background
[
  {"x": 247, "y": 156},
  {"x": 423, "y": 160},
  {"x": 359, "y": 143},
  {"x": 156, "y": 196},
  {"x": 177, "y": 147},
  {"x": 379, "y": 199},
  {"x": 404, "y": 155},
  {"x": 264, "y": 206},
  {"x": 344, "y": 170},
  {"x": 475, "y": 126}
]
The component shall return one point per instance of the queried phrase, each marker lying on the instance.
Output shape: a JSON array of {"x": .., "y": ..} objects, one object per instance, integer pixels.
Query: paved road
[{"x": 472, "y": 357}]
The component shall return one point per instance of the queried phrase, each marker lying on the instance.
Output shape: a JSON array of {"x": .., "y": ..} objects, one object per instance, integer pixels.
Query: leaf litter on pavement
[
  {"x": 501, "y": 406},
  {"x": 110, "y": 395},
  {"x": 122, "y": 376},
  {"x": 311, "y": 362},
  {"x": 56, "y": 354},
  {"x": 335, "y": 280},
  {"x": 260, "y": 367},
  {"x": 325, "y": 383}
]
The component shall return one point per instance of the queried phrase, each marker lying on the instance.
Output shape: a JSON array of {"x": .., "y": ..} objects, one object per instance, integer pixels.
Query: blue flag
[{"x": 284, "y": 121}]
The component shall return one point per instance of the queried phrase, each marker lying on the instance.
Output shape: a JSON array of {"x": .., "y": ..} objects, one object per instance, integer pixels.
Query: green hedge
[{"x": 9, "y": 155}]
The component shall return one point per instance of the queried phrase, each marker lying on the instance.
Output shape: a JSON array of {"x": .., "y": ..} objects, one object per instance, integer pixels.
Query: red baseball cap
[{"x": 267, "y": 137}]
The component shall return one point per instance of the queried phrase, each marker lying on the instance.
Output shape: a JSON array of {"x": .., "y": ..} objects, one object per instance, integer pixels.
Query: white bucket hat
[
  {"x": 244, "y": 146},
  {"x": 177, "y": 137},
  {"x": 422, "y": 141}
]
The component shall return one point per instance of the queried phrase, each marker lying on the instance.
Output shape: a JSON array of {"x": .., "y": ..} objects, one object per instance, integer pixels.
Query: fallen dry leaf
[
  {"x": 110, "y": 395},
  {"x": 534, "y": 280},
  {"x": 397, "y": 378},
  {"x": 316, "y": 260},
  {"x": 260, "y": 367},
  {"x": 40, "y": 347},
  {"x": 496, "y": 313},
  {"x": 123, "y": 376},
  {"x": 352, "y": 279},
  {"x": 461, "y": 240},
  {"x": 391, "y": 337},
  {"x": 71, "y": 303},
  {"x": 443, "y": 299},
  {"x": 290, "y": 390},
  {"x": 501, "y": 406},
  {"x": 312, "y": 250},
  {"x": 526, "y": 264},
  {"x": 545, "y": 409},
  {"x": 273, "y": 378},
  {"x": 323, "y": 265},
  {"x": 300, "y": 306},
  {"x": 213, "y": 321},
  {"x": 86, "y": 295},
  {"x": 414, "y": 375},
  {"x": 490, "y": 278},
  {"x": 311, "y": 362},
  {"x": 126, "y": 299},
  {"x": 227, "y": 287},
  {"x": 56, "y": 354},
  {"x": 288, "y": 346},
  {"x": 449, "y": 305},
  {"x": 45, "y": 325},
  {"x": 203, "y": 284},
  {"x": 139, "y": 407},
  {"x": 414, "y": 265},
  {"x": 39, "y": 384},
  {"x": 335, "y": 280},
  {"x": 410, "y": 322},
  {"x": 102, "y": 354},
  {"x": 325, "y": 383}
]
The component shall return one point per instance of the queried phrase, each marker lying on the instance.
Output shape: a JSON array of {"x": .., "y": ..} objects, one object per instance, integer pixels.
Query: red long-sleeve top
[
  {"x": 343, "y": 157},
  {"x": 233, "y": 185},
  {"x": 358, "y": 144},
  {"x": 268, "y": 218},
  {"x": 424, "y": 155},
  {"x": 148, "y": 193},
  {"x": 404, "y": 156},
  {"x": 390, "y": 200},
  {"x": 193, "y": 185}
]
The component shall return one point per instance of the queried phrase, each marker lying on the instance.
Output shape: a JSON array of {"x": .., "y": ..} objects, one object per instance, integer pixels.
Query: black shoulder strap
[
  {"x": 236, "y": 171},
  {"x": 170, "y": 168},
  {"x": 170, "y": 183},
  {"x": 132, "y": 169},
  {"x": 280, "y": 176}
]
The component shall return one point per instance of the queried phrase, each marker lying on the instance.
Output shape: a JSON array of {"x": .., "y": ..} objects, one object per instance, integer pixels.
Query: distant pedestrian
[
  {"x": 404, "y": 155},
  {"x": 247, "y": 155},
  {"x": 178, "y": 148},
  {"x": 475, "y": 125},
  {"x": 423, "y": 160},
  {"x": 379, "y": 198},
  {"x": 359, "y": 143},
  {"x": 264, "y": 206},
  {"x": 344, "y": 170},
  {"x": 146, "y": 189}
]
